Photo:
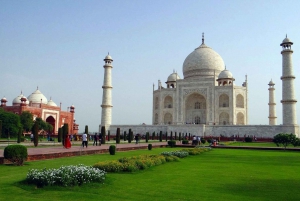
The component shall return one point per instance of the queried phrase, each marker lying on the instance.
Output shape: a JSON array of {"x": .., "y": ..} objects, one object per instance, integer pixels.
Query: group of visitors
[{"x": 196, "y": 140}]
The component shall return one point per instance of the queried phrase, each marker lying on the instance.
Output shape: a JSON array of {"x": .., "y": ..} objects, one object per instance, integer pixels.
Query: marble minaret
[
  {"x": 106, "y": 97},
  {"x": 272, "y": 104},
  {"x": 288, "y": 92}
]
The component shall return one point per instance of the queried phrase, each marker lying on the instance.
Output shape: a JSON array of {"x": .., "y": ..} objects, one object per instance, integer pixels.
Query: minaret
[
  {"x": 288, "y": 93},
  {"x": 106, "y": 98},
  {"x": 272, "y": 104}
]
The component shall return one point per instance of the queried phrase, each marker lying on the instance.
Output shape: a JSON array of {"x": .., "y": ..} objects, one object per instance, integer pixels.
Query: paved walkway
[{"x": 59, "y": 149}]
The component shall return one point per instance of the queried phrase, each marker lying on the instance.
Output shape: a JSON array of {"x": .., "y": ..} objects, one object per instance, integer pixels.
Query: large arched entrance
[
  {"x": 51, "y": 121},
  {"x": 195, "y": 109}
]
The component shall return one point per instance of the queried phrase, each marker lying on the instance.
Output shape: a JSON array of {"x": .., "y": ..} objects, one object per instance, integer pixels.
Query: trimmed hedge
[
  {"x": 248, "y": 139},
  {"x": 16, "y": 154},
  {"x": 172, "y": 143},
  {"x": 185, "y": 141},
  {"x": 112, "y": 149},
  {"x": 149, "y": 146}
]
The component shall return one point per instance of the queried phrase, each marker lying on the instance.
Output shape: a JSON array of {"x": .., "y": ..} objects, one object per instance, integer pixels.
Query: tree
[
  {"x": 10, "y": 123},
  {"x": 103, "y": 132},
  {"x": 60, "y": 133},
  {"x": 147, "y": 137},
  {"x": 49, "y": 128},
  {"x": 108, "y": 135},
  {"x": 160, "y": 136},
  {"x": 125, "y": 137},
  {"x": 35, "y": 131},
  {"x": 296, "y": 142},
  {"x": 118, "y": 136},
  {"x": 129, "y": 136},
  {"x": 19, "y": 135},
  {"x": 285, "y": 139},
  {"x": 26, "y": 119},
  {"x": 65, "y": 132},
  {"x": 41, "y": 124}
]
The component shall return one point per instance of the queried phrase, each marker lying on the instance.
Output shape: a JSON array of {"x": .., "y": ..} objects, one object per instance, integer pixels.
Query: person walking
[
  {"x": 95, "y": 139},
  {"x": 84, "y": 140}
]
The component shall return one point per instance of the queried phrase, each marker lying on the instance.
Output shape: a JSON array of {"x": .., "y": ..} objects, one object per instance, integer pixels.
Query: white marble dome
[
  {"x": 173, "y": 77},
  {"x": 17, "y": 100},
  {"x": 286, "y": 40},
  {"x": 225, "y": 74},
  {"x": 202, "y": 62},
  {"x": 51, "y": 103},
  {"x": 108, "y": 57},
  {"x": 36, "y": 97}
]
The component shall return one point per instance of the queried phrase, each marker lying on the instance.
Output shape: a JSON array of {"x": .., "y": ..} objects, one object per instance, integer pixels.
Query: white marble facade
[
  {"x": 206, "y": 95},
  {"x": 207, "y": 101}
]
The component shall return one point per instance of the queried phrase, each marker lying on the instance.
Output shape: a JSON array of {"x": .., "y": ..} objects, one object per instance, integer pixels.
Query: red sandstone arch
[{"x": 51, "y": 121}]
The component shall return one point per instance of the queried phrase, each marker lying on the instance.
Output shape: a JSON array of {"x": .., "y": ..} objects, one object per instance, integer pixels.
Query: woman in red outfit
[{"x": 67, "y": 142}]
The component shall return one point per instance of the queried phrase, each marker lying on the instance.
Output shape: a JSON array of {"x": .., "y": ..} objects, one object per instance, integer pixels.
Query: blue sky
[{"x": 59, "y": 46}]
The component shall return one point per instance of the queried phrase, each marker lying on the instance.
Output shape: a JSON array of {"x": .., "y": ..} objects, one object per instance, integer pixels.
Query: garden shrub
[
  {"x": 172, "y": 143},
  {"x": 209, "y": 141},
  {"x": 149, "y": 146},
  {"x": 179, "y": 154},
  {"x": 203, "y": 141},
  {"x": 112, "y": 149},
  {"x": 184, "y": 141},
  {"x": 248, "y": 139},
  {"x": 131, "y": 164},
  {"x": 16, "y": 154},
  {"x": 65, "y": 176}
]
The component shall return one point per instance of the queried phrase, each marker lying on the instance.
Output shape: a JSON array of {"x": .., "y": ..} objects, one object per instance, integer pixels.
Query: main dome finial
[{"x": 203, "y": 38}]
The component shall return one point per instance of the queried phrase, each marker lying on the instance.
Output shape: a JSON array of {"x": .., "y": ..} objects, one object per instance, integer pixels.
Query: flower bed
[
  {"x": 179, "y": 154},
  {"x": 135, "y": 163},
  {"x": 72, "y": 175}
]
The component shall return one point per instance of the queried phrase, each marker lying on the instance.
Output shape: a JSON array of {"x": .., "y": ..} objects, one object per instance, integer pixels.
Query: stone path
[{"x": 39, "y": 153}]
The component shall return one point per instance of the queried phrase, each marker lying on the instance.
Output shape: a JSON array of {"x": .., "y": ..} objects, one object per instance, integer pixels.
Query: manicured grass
[{"x": 221, "y": 174}]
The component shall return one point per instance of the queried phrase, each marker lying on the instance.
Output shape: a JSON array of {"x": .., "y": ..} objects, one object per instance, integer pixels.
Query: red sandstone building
[{"x": 38, "y": 105}]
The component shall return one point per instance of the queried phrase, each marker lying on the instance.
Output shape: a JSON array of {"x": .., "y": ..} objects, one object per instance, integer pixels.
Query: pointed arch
[
  {"x": 240, "y": 101},
  {"x": 168, "y": 102},
  {"x": 168, "y": 118},
  {"x": 224, "y": 118},
  {"x": 240, "y": 120},
  {"x": 195, "y": 106},
  {"x": 224, "y": 100}
]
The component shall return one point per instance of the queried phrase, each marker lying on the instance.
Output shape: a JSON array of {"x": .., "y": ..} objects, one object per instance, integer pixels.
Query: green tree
[
  {"x": 108, "y": 135},
  {"x": 103, "y": 132},
  {"x": 160, "y": 136},
  {"x": 129, "y": 136},
  {"x": 125, "y": 136},
  {"x": 147, "y": 137},
  {"x": 49, "y": 128},
  {"x": 20, "y": 135},
  {"x": 35, "y": 131},
  {"x": 284, "y": 139},
  {"x": 65, "y": 132},
  {"x": 10, "y": 123},
  {"x": 86, "y": 130},
  {"x": 41, "y": 124},
  {"x": 60, "y": 133},
  {"x": 118, "y": 136},
  {"x": 26, "y": 119}
]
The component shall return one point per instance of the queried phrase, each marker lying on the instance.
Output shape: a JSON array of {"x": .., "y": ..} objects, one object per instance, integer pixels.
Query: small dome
[
  {"x": 17, "y": 100},
  {"x": 108, "y": 57},
  {"x": 36, "y": 97},
  {"x": 225, "y": 74},
  {"x": 286, "y": 40},
  {"x": 51, "y": 103},
  {"x": 271, "y": 83},
  {"x": 173, "y": 77},
  {"x": 72, "y": 106},
  {"x": 3, "y": 99}
]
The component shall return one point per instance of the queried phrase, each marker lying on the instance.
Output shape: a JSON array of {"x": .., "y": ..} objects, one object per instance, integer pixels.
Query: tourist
[
  {"x": 31, "y": 137},
  {"x": 136, "y": 139},
  {"x": 67, "y": 143},
  {"x": 84, "y": 140},
  {"x": 95, "y": 139}
]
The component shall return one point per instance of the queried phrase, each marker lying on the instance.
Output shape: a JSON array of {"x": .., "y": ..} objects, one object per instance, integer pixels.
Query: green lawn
[{"x": 220, "y": 174}]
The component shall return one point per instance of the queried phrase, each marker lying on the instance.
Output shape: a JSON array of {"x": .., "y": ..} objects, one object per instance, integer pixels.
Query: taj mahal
[{"x": 207, "y": 101}]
